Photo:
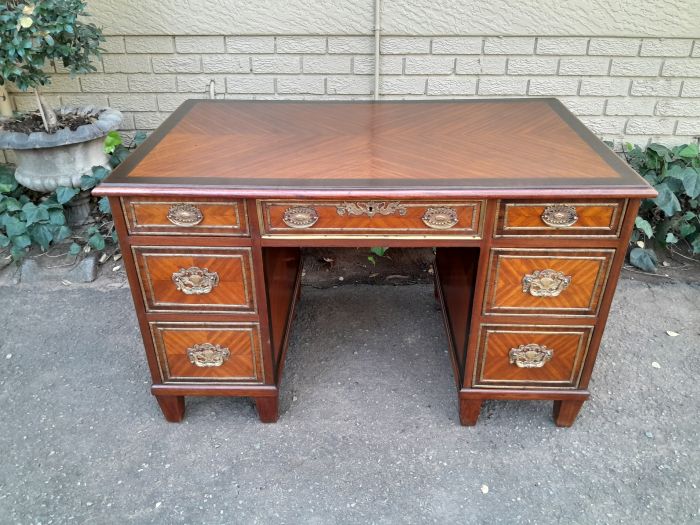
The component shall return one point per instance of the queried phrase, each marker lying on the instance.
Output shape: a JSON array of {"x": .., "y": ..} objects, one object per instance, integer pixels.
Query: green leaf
[
  {"x": 41, "y": 234},
  {"x": 7, "y": 182},
  {"x": 74, "y": 249},
  {"x": 103, "y": 205},
  {"x": 65, "y": 194},
  {"x": 381, "y": 252},
  {"x": 87, "y": 182},
  {"x": 97, "y": 241},
  {"x": 371, "y": 259},
  {"x": 14, "y": 227},
  {"x": 686, "y": 229},
  {"x": 17, "y": 253},
  {"x": 57, "y": 217},
  {"x": 671, "y": 238},
  {"x": 690, "y": 177},
  {"x": 62, "y": 233},
  {"x": 12, "y": 204},
  {"x": 119, "y": 155},
  {"x": 643, "y": 259},
  {"x": 112, "y": 140},
  {"x": 21, "y": 241},
  {"x": 644, "y": 225},
  {"x": 4, "y": 241},
  {"x": 689, "y": 151},
  {"x": 34, "y": 213},
  {"x": 667, "y": 200},
  {"x": 100, "y": 172},
  {"x": 139, "y": 138},
  {"x": 696, "y": 245},
  {"x": 661, "y": 151}
]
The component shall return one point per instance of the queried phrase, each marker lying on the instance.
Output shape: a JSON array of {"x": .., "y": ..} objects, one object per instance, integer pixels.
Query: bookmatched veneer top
[{"x": 470, "y": 148}]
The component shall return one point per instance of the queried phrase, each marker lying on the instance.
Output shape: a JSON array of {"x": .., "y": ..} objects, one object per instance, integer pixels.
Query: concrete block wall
[{"x": 625, "y": 89}]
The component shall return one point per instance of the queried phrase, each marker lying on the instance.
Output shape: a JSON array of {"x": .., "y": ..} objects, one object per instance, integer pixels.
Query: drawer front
[
  {"x": 400, "y": 218},
  {"x": 208, "y": 352},
  {"x": 195, "y": 279},
  {"x": 156, "y": 216},
  {"x": 577, "y": 218},
  {"x": 546, "y": 281},
  {"x": 531, "y": 356}
]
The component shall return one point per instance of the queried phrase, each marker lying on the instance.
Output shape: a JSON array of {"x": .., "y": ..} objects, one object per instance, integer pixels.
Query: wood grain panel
[
  {"x": 234, "y": 292},
  {"x": 587, "y": 269},
  {"x": 405, "y": 222},
  {"x": 244, "y": 364},
  {"x": 568, "y": 344},
  {"x": 149, "y": 216},
  {"x": 595, "y": 218},
  {"x": 388, "y": 145}
]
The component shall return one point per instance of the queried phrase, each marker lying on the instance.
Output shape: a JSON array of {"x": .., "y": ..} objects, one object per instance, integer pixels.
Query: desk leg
[
  {"x": 469, "y": 410},
  {"x": 173, "y": 407},
  {"x": 268, "y": 408},
  {"x": 565, "y": 412}
]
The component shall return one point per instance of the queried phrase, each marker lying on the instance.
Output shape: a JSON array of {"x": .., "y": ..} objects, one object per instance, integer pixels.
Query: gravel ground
[{"x": 368, "y": 431}]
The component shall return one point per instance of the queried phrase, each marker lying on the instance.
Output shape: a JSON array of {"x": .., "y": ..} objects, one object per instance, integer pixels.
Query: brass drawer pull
[
  {"x": 371, "y": 208},
  {"x": 545, "y": 283},
  {"x": 559, "y": 216},
  {"x": 207, "y": 355},
  {"x": 185, "y": 215},
  {"x": 530, "y": 356},
  {"x": 300, "y": 217},
  {"x": 195, "y": 281},
  {"x": 440, "y": 218}
]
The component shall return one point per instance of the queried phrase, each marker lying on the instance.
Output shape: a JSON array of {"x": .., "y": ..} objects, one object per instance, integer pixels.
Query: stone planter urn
[{"x": 46, "y": 161}]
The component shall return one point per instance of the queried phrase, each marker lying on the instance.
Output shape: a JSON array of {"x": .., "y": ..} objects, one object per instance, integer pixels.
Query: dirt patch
[
  {"x": 327, "y": 267},
  {"x": 31, "y": 122}
]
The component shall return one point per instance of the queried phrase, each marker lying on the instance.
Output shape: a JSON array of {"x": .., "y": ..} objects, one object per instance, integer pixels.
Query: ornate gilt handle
[
  {"x": 545, "y": 283},
  {"x": 559, "y": 216},
  {"x": 195, "y": 281},
  {"x": 371, "y": 208},
  {"x": 440, "y": 218},
  {"x": 300, "y": 217},
  {"x": 530, "y": 356},
  {"x": 182, "y": 214},
  {"x": 207, "y": 355}
]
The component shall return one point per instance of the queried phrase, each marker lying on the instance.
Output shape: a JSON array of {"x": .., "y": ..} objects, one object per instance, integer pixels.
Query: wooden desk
[{"x": 529, "y": 212}]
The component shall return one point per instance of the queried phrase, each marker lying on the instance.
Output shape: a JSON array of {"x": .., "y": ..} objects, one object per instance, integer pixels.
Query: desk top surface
[{"x": 470, "y": 148}]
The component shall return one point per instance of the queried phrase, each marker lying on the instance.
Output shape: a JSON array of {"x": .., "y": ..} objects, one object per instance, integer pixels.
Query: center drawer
[
  {"x": 195, "y": 279},
  {"x": 362, "y": 218}
]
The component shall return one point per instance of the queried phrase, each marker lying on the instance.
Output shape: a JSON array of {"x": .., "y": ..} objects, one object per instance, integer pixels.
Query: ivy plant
[
  {"x": 673, "y": 217},
  {"x": 24, "y": 222},
  {"x": 30, "y": 219}
]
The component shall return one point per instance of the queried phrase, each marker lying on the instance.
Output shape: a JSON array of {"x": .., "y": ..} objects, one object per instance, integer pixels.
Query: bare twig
[
  {"x": 630, "y": 269},
  {"x": 674, "y": 252},
  {"x": 41, "y": 110}
]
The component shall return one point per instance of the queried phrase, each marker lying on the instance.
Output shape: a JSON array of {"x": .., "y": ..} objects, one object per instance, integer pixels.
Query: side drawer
[
  {"x": 208, "y": 352},
  {"x": 555, "y": 281},
  {"x": 576, "y": 218},
  {"x": 347, "y": 218},
  {"x": 163, "y": 216},
  {"x": 195, "y": 279},
  {"x": 531, "y": 356}
]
